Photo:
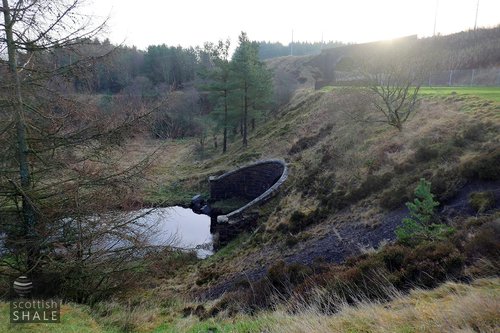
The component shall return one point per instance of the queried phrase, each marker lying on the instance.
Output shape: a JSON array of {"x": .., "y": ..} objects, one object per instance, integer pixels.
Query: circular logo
[{"x": 23, "y": 285}]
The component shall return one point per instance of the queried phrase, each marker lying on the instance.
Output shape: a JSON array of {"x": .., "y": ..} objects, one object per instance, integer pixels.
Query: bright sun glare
[{"x": 190, "y": 23}]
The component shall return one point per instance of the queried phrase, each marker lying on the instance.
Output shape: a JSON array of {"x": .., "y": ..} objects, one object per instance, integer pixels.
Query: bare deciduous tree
[
  {"x": 396, "y": 91},
  {"x": 61, "y": 163},
  {"x": 394, "y": 77}
]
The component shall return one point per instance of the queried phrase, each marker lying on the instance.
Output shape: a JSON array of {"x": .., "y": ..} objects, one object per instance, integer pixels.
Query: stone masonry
[{"x": 257, "y": 182}]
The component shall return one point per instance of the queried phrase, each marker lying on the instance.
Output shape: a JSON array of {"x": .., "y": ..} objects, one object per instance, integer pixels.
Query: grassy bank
[{"x": 452, "y": 307}]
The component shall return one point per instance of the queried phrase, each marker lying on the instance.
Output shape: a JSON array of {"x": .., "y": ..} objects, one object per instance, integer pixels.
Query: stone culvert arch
[{"x": 257, "y": 182}]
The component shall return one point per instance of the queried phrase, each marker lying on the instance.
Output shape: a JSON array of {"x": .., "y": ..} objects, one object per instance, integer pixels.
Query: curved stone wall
[{"x": 256, "y": 182}]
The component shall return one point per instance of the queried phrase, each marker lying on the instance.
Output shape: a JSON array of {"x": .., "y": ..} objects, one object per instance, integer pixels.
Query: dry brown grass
[{"x": 452, "y": 307}]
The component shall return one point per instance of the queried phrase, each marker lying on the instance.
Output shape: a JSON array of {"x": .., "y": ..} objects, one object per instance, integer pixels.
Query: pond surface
[
  {"x": 175, "y": 227},
  {"x": 178, "y": 227}
]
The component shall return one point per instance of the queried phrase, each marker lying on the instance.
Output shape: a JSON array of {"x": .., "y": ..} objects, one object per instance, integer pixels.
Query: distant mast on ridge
[
  {"x": 475, "y": 20},
  {"x": 435, "y": 17}
]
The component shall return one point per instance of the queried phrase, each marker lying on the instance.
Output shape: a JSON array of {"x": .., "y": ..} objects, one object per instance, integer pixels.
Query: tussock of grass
[{"x": 228, "y": 205}]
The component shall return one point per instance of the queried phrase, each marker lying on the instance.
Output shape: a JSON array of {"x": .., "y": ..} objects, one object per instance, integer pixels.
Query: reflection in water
[
  {"x": 178, "y": 227},
  {"x": 173, "y": 226}
]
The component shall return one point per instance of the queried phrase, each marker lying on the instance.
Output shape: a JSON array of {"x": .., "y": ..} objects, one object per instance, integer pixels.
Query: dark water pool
[{"x": 178, "y": 227}]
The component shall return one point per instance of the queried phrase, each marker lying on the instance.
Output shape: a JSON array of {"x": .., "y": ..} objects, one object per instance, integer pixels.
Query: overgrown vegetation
[
  {"x": 470, "y": 252},
  {"x": 482, "y": 201}
]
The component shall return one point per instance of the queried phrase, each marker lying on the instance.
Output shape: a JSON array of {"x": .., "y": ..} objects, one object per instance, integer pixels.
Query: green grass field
[{"x": 490, "y": 93}]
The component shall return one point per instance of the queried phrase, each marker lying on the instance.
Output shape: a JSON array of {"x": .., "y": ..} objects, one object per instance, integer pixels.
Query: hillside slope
[
  {"x": 325, "y": 242},
  {"x": 349, "y": 180}
]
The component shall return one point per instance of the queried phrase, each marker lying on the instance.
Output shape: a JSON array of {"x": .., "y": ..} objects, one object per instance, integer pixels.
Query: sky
[{"x": 193, "y": 22}]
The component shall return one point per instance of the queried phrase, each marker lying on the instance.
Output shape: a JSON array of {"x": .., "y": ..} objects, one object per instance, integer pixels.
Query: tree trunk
[
  {"x": 245, "y": 117},
  {"x": 28, "y": 210},
  {"x": 224, "y": 139}
]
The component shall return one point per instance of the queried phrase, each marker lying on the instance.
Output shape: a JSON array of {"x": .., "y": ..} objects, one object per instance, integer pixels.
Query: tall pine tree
[
  {"x": 253, "y": 82},
  {"x": 220, "y": 85}
]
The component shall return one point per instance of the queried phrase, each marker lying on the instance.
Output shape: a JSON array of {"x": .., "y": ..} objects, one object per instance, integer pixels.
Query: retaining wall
[{"x": 256, "y": 182}]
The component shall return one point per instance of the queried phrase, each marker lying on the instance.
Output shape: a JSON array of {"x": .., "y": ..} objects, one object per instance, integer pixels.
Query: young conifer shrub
[{"x": 421, "y": 223}]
